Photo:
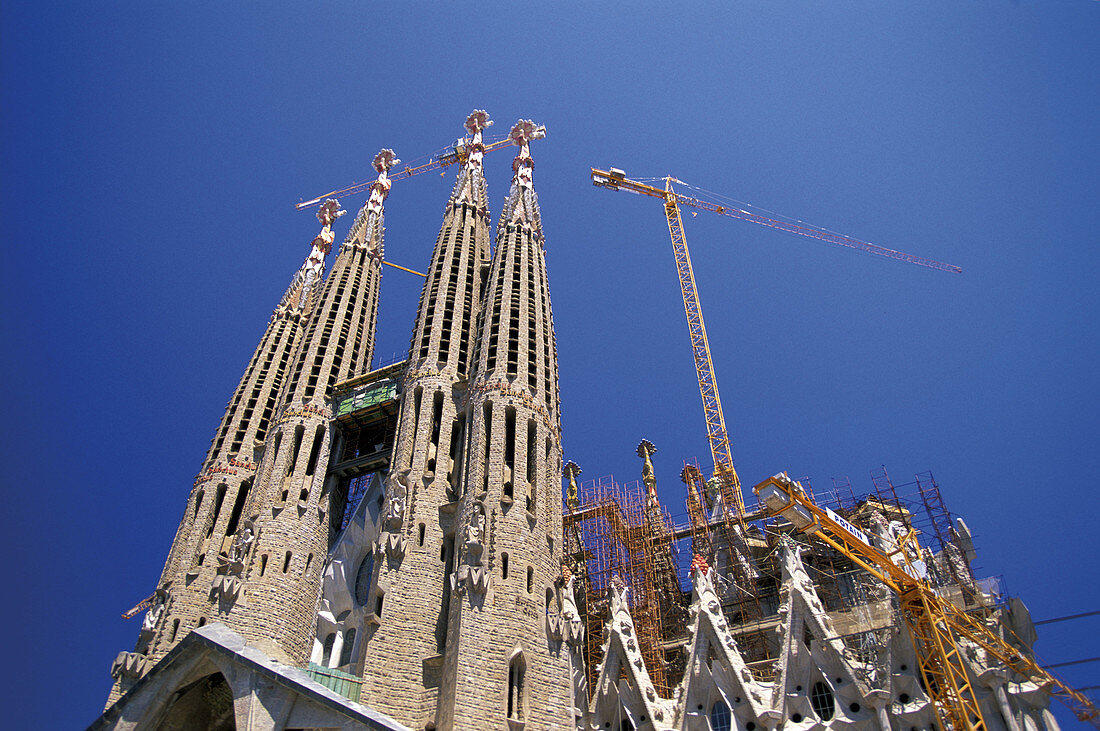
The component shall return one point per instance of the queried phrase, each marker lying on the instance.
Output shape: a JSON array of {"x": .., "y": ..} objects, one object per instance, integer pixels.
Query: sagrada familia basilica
[{"x": 392, "y": 548}]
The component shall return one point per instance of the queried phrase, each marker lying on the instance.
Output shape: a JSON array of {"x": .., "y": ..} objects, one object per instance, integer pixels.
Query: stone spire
[
  {"x": 250, "y": 409},
  {"x": 271, "y": 586},
  {"x": 340, "y": 340},
  {"x": 418, "y": 524},
  {"x": 204, "y": 541},
  {"x": 508, "y": 546}
]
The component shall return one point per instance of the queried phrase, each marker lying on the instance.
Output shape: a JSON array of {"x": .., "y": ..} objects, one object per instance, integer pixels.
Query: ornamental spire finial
[
  {"x": 470, "y": 187},
  {"x": 298, "y": 297},
  {"x": 383, "y": 161},
  {"x": 367, "y": 226},
  {"x": 521, "y": 135},
  {"x": 522, "y": 206}
]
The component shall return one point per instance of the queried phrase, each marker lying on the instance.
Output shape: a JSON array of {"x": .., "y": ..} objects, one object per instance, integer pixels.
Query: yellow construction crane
[
  {"x": 717, "y": 435},
  {"x": 935, "y": 623}
]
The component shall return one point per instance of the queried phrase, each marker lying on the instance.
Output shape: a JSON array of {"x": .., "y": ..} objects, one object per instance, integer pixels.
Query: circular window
[{"x": 363, "y": 579}]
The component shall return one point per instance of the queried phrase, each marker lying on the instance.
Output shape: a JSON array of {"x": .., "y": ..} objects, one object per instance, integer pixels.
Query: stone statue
[
  {"x": 399, "y": 491},
  {"x": 572, "y": 626},
  {"x": 241, "y": 544},
  {"x": 152, "y": 617},
  {"x": 572, "y": 471}
]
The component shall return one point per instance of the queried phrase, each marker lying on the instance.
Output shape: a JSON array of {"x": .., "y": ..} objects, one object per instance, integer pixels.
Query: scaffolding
[
  {"x": 623, "y": 531},
  {"x": 612, "y": 537}
]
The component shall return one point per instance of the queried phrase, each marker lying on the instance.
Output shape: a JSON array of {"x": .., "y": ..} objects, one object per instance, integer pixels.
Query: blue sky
[{"x": 152, "y": 155}]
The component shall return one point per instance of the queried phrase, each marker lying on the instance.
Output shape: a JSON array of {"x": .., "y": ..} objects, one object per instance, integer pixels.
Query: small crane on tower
[
  {"x": 454, "y": 154},
  {"x": 458, "y": 153},
  {"x": 717, "y": 435}
]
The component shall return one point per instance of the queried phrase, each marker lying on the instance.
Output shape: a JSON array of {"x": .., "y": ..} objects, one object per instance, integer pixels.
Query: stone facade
[{"x": 290, "y": 505}]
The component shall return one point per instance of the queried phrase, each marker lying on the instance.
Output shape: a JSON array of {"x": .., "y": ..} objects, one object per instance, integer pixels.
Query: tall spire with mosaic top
[
  {"x": 508, "y": 546},
  {"x": 277, "y": 569},
  {"x": 424, "y": 482}
]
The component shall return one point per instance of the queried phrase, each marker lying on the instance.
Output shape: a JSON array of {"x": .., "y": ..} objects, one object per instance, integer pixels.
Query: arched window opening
[
  {"x": 278, "y": 442},
  {"x": 309, "y": 560},
  {"x": 417, "y": 394},
  {"x": 318, "y": 440},
  {"x": 198, "y": 502},
  {"x": 517, "y": 669},
  {"x": 420, "y": 535},
  {"x": 532, "y": 449},
  {"x": 263, "y": 564},
  {"x": 286, "y": 562},
  {"x": 720, "y": 718},
  {"x": 488, "y": 418},
  {"x": 238, "y": 507},
  {"x": 175, "y": 629},
  {"x": 202, "y": 621},
  {"x": 821, "y": 698},
  {"x": 437, "y": 420},
  {"x": 326, "y": 656},
  {"x": 299, "y": 432},
  {"x": 458, "y": 431},
  {"x": 509, "y": 451},
  {"x": 504, "y": 565},
  {"x": 219, "y": 498},
  {"x": 349, "y": 646},
  {"x": 530, "y": 579}
]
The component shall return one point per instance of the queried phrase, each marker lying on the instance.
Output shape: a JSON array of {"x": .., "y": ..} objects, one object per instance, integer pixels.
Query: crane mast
[
  {"x": 704, "y": 365},
  {"x": 717, "y": 436}
]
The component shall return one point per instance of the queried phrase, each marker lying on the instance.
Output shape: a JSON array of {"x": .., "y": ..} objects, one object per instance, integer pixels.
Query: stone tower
[
  {"x": 415, "y": 551},
  {"x": 288, "y": 511},
  {"x": 501, "y": 669},
  {"x": 203, "y": 546}
]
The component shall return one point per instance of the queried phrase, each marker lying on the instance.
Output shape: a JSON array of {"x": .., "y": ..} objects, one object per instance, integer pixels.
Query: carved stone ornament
[
  {"x": 226, "y": 587},
  {"x": 572, "y": 471},
  {"x": 572, "y": 628},
  {"x": 130, "y": 665},
  {"x": 475, "y": 535},
  {"x": 242, "y": 543},
  {"x": 553, "y": 626},
  {"x": 399, "y": 491},
  {"x": 395, "y": 544},
  {"x": 474, "y": 579}
]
